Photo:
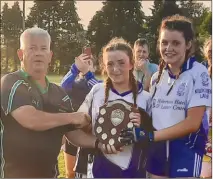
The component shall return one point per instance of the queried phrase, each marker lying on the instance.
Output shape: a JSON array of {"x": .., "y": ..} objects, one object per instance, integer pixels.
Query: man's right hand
[
  {"x": 80, "y": 119},
  {"x": 82, "y": 63}
]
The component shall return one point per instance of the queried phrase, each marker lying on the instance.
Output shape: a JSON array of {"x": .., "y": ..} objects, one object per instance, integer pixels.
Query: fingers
[
  {"x": 109, "y": 149},
  {"x": 126, "y": 141},
  {"x": 83, "y": 57},
  {"x": 136, "y": 122},
  {"x": 135, "y": 118}
]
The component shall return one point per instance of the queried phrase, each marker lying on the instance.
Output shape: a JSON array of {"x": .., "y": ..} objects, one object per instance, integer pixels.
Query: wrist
[
  {"x": 74, "y": 69},
  {"x": 89, "y": 75}
]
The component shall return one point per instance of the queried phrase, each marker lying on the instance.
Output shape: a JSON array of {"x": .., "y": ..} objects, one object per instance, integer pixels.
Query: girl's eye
[
  {"x": 176, "y": 43},
  {"x": 164, "y": 43}
]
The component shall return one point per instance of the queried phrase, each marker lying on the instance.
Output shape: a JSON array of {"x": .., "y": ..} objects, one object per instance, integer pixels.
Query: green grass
[{"x": 55, "y": 78}]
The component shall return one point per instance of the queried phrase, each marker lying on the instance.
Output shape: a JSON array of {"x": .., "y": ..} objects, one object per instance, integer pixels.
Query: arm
[
  {"x": 147, "y": 80},
  {"x": 91, "y": 80},
  {"x": 70, "y": 77},
  {"x": 199, "y": 99},
  {"x": 187, "y": 126},
  {"x": 81, "y": 139},
  {"x": 33, "y": 119}
]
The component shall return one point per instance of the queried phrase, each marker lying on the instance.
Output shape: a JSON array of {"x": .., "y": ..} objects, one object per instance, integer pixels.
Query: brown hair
[
  {"x": 206, "y": 44},
  {"x": 141, "y": 42},
  {"x": 122, "y": 45},
  {"x": 181, "y": 24},
  {"x": 205, "y": 52}
]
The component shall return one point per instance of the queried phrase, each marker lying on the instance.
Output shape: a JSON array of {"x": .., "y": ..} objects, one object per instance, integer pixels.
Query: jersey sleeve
[
  {"x": 201, "y": 92},
  {"x": 14, "y": 93},
  {"x": 87, "y": 104},
  {"x": 69, "y": 79}
]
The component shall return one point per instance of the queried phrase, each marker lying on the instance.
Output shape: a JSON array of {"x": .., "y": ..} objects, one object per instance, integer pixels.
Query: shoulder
[
  {"x": 144, "y": 95},
  {"x": 198, "y": 69},
  {"x": 11, "y": 80},
  {"x": 99, "y": 87}
]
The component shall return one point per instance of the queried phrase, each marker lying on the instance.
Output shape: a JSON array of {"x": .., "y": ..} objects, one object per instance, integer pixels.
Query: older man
[{"x": 37, "y": 113}]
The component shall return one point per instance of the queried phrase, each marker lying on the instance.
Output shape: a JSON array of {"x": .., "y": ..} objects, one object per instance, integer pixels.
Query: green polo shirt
[{"x": 27, "y": 153}]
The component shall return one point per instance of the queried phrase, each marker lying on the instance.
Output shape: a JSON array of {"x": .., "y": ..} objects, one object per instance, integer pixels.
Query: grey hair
[{"x": 32, "y": 32}]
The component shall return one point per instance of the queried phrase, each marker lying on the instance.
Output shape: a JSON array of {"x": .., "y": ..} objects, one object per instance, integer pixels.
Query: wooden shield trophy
[{"x": 113, "y": 117}]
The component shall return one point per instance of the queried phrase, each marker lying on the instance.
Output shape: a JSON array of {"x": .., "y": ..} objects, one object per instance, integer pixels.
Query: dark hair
[
  {"x": 122, "y": 45},
  {"x": 141, "y": 42},
  {"x": 181, "y": 24}
]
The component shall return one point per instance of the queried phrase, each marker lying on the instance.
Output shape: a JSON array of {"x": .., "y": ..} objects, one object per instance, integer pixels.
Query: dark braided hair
[
  {"x": 181, "y": 24},
  {"x": 122, "y": 45}
]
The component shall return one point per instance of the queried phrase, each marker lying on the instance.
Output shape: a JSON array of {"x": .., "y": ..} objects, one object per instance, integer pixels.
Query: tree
[
  {"x": 11, "y": 29},
  {"x": 72, "y": 36},
  {"x": 45, "y": 14},
  {"x": 61, "y": 20},
  {"x": 16, "y": 18},
  {"x": 198, "y": 13},
  {"x": 116, "y": 19}
]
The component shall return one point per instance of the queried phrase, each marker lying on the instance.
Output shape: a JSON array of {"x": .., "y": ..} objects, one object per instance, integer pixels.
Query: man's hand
[
  {"x": 81, "y": 120},
  {"x": 130, "y": 136},
  {"x": 82, "y": 62},
  {"x": 141, "y": 65}
]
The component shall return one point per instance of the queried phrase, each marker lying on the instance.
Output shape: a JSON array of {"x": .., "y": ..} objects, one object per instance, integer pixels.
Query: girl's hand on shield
[{"x": 135, "y": 118}]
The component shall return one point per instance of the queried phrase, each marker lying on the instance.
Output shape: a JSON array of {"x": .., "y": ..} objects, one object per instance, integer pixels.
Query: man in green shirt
[{"x": 37, "y": 114}]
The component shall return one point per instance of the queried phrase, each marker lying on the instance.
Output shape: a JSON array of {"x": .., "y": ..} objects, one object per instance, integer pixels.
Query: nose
[
  {"x": 116, "y": 68},
  {"x": 38, "y": 52},
  {"x": 169, "y": 47}
]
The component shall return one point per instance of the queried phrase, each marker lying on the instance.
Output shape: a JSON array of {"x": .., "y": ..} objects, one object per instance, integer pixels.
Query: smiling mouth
[{"x": 169, "y": 55}]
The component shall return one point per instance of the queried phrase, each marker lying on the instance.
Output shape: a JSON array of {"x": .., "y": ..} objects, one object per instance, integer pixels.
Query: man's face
[
  {"x": 36, "y": 54},
  {"x": 141, "y": 52}
]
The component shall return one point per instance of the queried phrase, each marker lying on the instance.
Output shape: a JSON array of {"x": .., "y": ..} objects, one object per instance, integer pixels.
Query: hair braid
[
  {"x": 108, "y": 84},
  {"x": 161, "y": 67},
  {"x": 134, "y": 87}
]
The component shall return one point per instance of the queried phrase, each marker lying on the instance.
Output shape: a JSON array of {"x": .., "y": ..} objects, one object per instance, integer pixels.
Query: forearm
[
  {"x": 70, "y": 77},
  {"x": 181, "y": 129},
  {"x": 81, "y": 139},
  {"x": 33, "y": 119},
  {"x": 147, "y": 81}
]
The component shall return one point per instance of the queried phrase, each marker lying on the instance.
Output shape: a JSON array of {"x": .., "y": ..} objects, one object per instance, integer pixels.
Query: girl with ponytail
[{"x": 181, "y": 93}]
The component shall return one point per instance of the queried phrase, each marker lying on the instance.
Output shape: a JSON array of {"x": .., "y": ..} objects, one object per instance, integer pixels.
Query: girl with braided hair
[
  {"x": 181, "y": 95},
  {"x": 117, "y": 63}
]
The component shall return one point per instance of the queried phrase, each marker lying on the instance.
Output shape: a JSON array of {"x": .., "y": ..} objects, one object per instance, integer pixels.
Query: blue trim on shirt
[
  {"x": 140, "y": 88},
  {"x": 187, "y": 65}
]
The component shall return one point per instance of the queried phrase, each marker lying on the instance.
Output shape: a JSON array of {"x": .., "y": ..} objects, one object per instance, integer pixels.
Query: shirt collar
[
  {"x": 140, "y": 88},
  {"x": 187, "y": 65},
  {"x": 41, "y": 89}
]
